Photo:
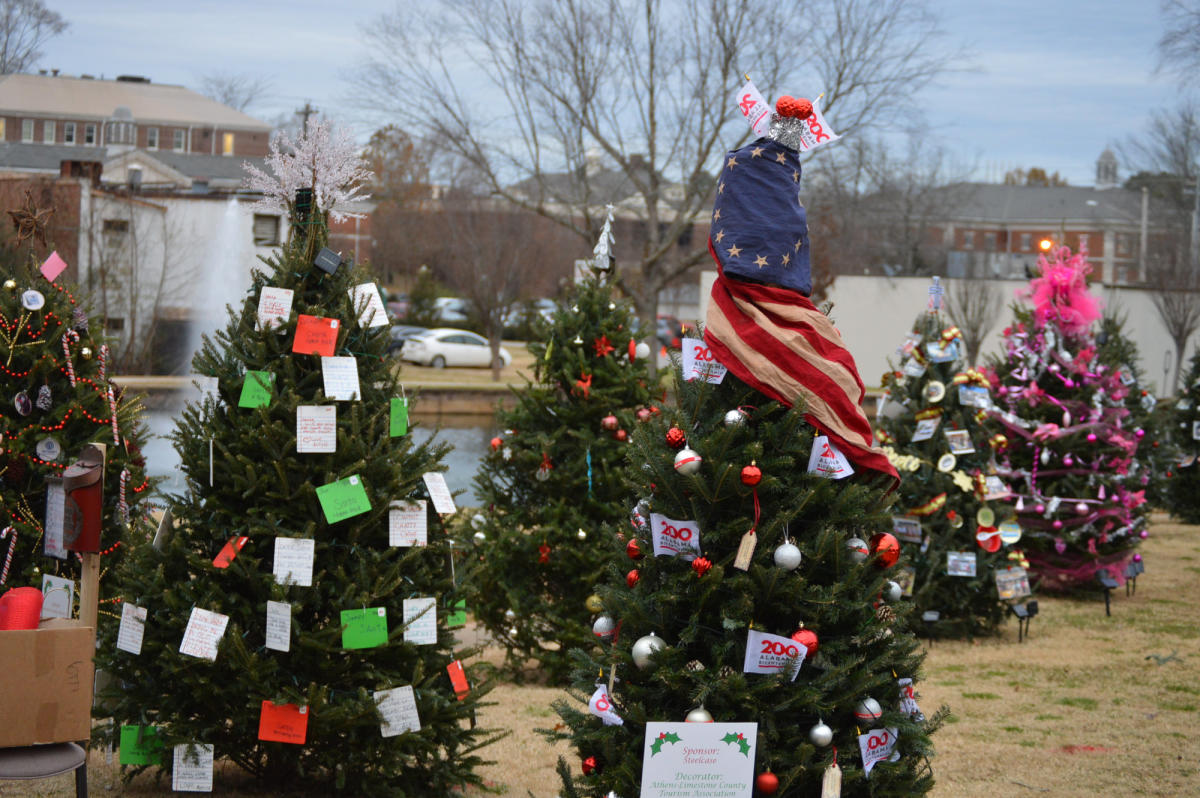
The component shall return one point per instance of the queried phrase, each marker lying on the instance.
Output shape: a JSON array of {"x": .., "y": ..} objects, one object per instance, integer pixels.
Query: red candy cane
[
  {"x": 112, "y": 406},
  {"x": 69, "y": 337},
  {"x": 12, "y": 545},
  {"x": 122, "y": 504},
  {"x": 103, "y": 360}
]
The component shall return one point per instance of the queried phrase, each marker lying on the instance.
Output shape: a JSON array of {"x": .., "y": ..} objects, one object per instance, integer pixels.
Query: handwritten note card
[
  {"x": 315, "y": 335},
  {"x": 343, "y": 499},
  {"x": 408, "y": 524},
  {"x": 279, "y": 625},
  {"x": 274, "y": 306},
  {"x": 203, "y": 634},
  {"x": 256, "y": 389},
  {"x": 420, "y": 621},
  {"x": 398, "y": 709},
  {"x": 58, "y": 596},
  {"x": 369, "y": 305},
  {"x": 316, "y": 429},
  {"x": 294, "y": 561},
  {"x": 140, "y": 745},
  {"x": 132, "y": 628},
  {"x": 341, "y": 378},
  {"x": 439, "y": 492},
  {"x": 192, "y": 770},
  {"x": 55, "y": 513},
  {"x": 365, "y": 628},
  {"x": 283, "y": 723}
]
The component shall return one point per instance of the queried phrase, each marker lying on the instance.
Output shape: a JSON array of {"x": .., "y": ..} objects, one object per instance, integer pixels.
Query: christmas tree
[
  {"x": 754, "y": 598},
  {"x": 946, "y": 515},
  {"x": 1070, "y": 453},
  {"x": 552, "y": 485},
  {"x": 56, "y": 371},
  {"x": 295, "y": 620},
  {"x": 1183, "y": 488}
]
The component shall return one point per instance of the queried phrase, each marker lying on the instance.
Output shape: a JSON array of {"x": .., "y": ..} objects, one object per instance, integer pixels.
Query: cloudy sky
[{"x": 1050, "y": 83}]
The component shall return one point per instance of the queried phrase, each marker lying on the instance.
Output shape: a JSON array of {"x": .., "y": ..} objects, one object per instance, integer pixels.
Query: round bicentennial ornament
[
  {"x": 985, "y": 516},
  {"x": 946, "y": 463},
  {"x": 820, "y": 735},
  {"x": 23, "y": 403},
  {"x": 858, "y": 549},
  {"x": 787, "y": 555},
  {"x": 1010, "y": 532},
  {"x": 735, "y": 417},
  {"x": 33, "y": 300},
  {"x": 892, "y": 591},
  {"x": 886, "y": 548},
  {"x": 593, "y": 603},
  {"x": 699, "y": 715},
  {"x": 48, "y": 449},
  {"x": 868, "y": 710},
  {"x": 645, "y": 647},
  {"x": 766, "y": 783},
  {"x": 687, "y": 461},
  {"x": 604, "y": 627},
  {"x": 935, "y": 391},
  {"x": 955, "y": 519}
]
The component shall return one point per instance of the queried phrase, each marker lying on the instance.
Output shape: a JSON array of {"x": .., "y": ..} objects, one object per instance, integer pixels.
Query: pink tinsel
[{"x": 1061, "y": 293}]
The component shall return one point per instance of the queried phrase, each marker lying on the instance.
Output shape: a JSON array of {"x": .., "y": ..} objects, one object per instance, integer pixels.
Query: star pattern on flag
[
  {"x": 721, "y": 188},
  {"x": 716, "y": 214},
  {"x": 780, "y": 158},
  {"x": 756, "y": 152},
  {"x": 720, "y": 234},
  {"x": 799, "y": 243},
  {"x": 795, "y": 176},
  {"x": 760, "y": 261},
  {"x": 732, "y": 162},
  {"x": 787, "y": 259},
  {"x": 734, "y": 251}
]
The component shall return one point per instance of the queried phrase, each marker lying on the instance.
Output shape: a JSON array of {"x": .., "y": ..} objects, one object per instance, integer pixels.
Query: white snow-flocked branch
[{"x": 325, "y": 159}]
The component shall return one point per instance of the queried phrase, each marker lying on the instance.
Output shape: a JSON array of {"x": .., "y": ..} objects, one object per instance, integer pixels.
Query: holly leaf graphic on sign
[
  {"x": 738, "y": 739},
  {"x": 665, "y": 737}
]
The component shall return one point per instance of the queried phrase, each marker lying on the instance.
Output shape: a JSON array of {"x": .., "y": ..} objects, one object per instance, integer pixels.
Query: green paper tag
[
  {"x": 364, "y": 628},
  {"x": 399, "y": 416},
  {"x": 343, "y": 499},
  {"x": 256, "y": 390},
  {"x": 458, "y": 615},
  {"x": 146, "y": 752}
]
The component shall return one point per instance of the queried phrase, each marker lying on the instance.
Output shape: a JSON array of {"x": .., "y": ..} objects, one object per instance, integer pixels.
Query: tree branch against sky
[
  {"x": 1179, "y": 47},
  {"x": 25, "y": 25},
  {"x": 238, "y": 90},
  {"x": 527, "y": 90}
]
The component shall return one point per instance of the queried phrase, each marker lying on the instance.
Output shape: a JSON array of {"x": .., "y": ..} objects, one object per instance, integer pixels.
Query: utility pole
[{"x": 304, "y": 113}]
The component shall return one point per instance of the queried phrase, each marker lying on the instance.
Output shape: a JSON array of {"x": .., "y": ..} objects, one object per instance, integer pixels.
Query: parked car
[
  {"x": 446, "y": 346},
  {"x": 397, "y": 306},
  {"x": 399, "y": 334},
  {"x": 452, "y": 309}
]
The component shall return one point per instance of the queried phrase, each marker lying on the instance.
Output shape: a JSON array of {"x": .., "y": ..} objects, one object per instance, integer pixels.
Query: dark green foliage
[
  {"x": 262, "y": 488},
  {"x": 572, "y": 504},
  {"x": 945, "y": 502},
  {"x": 1183, "y": 488},
  {"x": 422, "y": 300},
  {"x": 704, "y": 620}
]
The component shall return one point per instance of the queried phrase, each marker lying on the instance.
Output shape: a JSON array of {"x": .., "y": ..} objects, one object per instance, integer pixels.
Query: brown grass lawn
[{"x": 1082, "y": 708}]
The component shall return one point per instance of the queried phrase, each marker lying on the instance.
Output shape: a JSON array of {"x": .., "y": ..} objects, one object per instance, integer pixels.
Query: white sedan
[{"x": 445, "y": 346}]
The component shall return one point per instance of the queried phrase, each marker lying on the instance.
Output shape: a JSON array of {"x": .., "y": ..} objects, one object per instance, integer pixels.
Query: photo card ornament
[{"x": 327, "y": 260}]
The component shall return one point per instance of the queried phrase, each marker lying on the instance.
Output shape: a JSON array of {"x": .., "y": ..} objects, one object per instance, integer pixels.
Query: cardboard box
[{"x": 46, "y": 688}]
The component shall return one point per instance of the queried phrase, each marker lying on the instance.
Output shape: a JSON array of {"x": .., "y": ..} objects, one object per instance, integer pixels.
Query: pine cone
[{"x": 885, "y": 613}]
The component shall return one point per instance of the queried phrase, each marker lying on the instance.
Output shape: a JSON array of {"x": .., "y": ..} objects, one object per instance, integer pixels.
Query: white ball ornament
[
  {"x": 479, "y": 537},
  {"x": 868, "y": 710},
  {"x": 788, "y": 556},
  {"x": 688, "y": 461},
  {"x": 821, "y": 735},
  {"x": 510, "y": 616},
  {"x": 581, "y": 534},
  {"x": 645, "y": 647},
  {"x": 604, "y": 627},
  {"x": 699, "y": 715},
  {"x": 642, "y": 350},
  {"x": 892, "y": 591},
  {"x": 858, "y": 549}
]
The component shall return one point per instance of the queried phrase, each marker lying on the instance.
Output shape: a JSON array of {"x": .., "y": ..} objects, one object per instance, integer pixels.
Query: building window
[
  {"x": 1122, "y": 244},
  {"x": 114, "y": 232},
  {"x": 48, "y": 131},
  {"x": 114, "y": 325},
  {"x": 1026, "y": 242},
  {"x": 989, "y": 242},
  {"x": 26, "y": 130},
  {"x": 152, "y": 138},
  {"x": 968, "y": 239},
  {"x": 266, "y": 230},
  {"x": 89, "y": 134},
  {"x": 179, "y": 140},
  {"x": 68, "y": 132},
  {"x": 227, "y": 144}
]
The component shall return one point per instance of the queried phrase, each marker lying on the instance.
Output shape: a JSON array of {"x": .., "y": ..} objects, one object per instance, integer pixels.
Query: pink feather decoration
[{"x": 1061, "y": 293}]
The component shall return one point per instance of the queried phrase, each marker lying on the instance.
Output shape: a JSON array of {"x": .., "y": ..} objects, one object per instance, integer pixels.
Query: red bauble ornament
[
  {"x": 609, "y": 422},
  {"x": 632, "y": 577},
  {"x": 643, "y": 414},
  {"x": 766, "y": 783},
  {"x": 497, "y": 442},
  {"x": 751, "y": 475},
  {"x": 589, "y": 765},
  {"x": 654, "y": 410},
  {"x": 632, "y": 350},
  {"x": 808, "y": 639},
  {"x": 676, "y": 438},
  {"x": 886, "y": 548},
  {"x": 621, "y": 435},
  {"x": 701, "y": 565},
  {"x": 543, "y": 553},
  {"x": 633, "y": 550}
]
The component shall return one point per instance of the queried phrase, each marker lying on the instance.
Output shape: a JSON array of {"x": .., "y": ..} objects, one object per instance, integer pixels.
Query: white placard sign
[
  {"x": 700, "y": 363},
  {"x": 203, "y": 634},
  {"x": 420, "y": 621},
  {"x": 58, "y": 596},
  {"x": 274, "y": 306},
  {"x": 768, "y": 653},
  {"x": 673, "y": 537},
  {"x": 316, "y": 429},
  {"x": 408, "y": 524},
  {"x": 56, "y": 509},
  {"x": 279, "y": 626},
  {"x": 876, "y": 746},
  {"x": 601, "y": 706},
  {"x": 699, "y": 760},
  {"x": 366, "y": 296},
  {"x": 192, "y": 770},
  {"x": 827, "y": 460},
  {"x": 816, "y": 131},
  {"x": 398, "y": 709},
  {"x": 294, "y": 561},
  {"x": 925, "y": 429},
  {"x": 132, "y": 628},
  {"x": 439, "y": 492},
  {"x": 753, "y": 108},
  {"x": 960, "y": 563},
  {"x": 341, "y": 378}
]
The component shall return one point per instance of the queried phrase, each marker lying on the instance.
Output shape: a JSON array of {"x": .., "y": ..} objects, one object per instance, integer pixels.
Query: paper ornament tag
[
  {"x": 230, "y": 550},
  {"x": 439, "y": 492},
  {"x": 876, "y": 746},
  {"x": 315, "y": 335},
  {"x": 408, "y": 524},
  {"x": 340, "y": 375},
  {"x": 420, "y": 621},
  {"x": 974, "y": 396},
  {"x": 140, "y": 745},
  {"x": 132, "y": 628},
  {"x": 53, "y": 266},
  {"x": 925, "y": 429},
  {"x": 58, "y": 596},
  {"x": 192, "y": 769},
  {"x": 203, "y": 634},
  {"x": 907, "y": 528},
  {"x": 279, "y": 626},
  {"x": 1012, "y": 583},
  {"x": 831, "y": 782},
  {"x": 398, "y": 422},
  {"x": 601, "y": 706},
  {"x": 700, "y": 363},
  {"x": 768, "y": 653},
  {"x": 457, "y": 615},
  {"x": 913, "y": 368},
  {"x": 56, "y": 508},
  {"x": 343, "y": 499},
  {"x": 745, "y": 552},
  {"x": 959, "y": 441},
  {"x": 365, "y": 628},
  {"x": 827, "y": 461},
  {"x": 316, "y": 429},
  {"x": 960, "y": 563},
  {"x": 458, "y": 679},
  {"x": 293, "y": 563},
  {"x": 673, "y": 537},
  {"x": 397, "y": 710},
  {"x": 274, "y": 306},
  {"x": 994, "y": 488},
  {"x": 256, "y": 389},
  {"x": 366, "y": 300},
  {"x": 283, "y": 723}
]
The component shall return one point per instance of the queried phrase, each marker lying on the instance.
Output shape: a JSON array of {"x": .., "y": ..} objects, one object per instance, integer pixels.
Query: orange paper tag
[
  {"x": 315, "y": 335},
  {"x": 229, "y": 551},
  {"x": 458, "y": 678},
  {"x": 283, "y": 723}
]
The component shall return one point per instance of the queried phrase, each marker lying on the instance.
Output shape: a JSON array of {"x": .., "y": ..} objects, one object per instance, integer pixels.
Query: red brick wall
[{"x": 62, "y": 231}]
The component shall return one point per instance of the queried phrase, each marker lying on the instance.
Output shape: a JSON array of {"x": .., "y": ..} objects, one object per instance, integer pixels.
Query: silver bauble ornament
[
  {"x": 510, "y": 616},
  {"x": 86, "y": 353},
  {"x": 477, "y": 521},
  {"x": 892, "y": 591},
  {"x": 821, "y": 735},
  {"x": 867, "y": 710},
  {"x": 787, "y": 556},
  {"x": 699, "y": 715},
  {"x": 687, "y": 461},
  {"x": 581, "y": 534},
  {"x": 646, "y": 646},
  {"x": 735, "y": 418},
  {"x": 858, "y": 549},
  {"x": 604, "y": 627},
  {"x": 479, "y": 537},
  {"x": 10, "y": 285}
]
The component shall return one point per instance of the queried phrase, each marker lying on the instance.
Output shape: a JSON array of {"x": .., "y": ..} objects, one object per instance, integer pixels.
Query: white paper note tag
[
  {"x": 439, "y": 493},
  {"x": 316, "y": 429},
  {"x": 203, "y": 634},
  {"x": 294, "y": 561},
  {"x": 398, "y": 710},
  {"x": 132, "y": 628},
  {"x": 420, "y": 621},
  {"x": 192, "y": 770},
  {"x": 279, "y": 626},
  {"x": 408, "y": 524}
]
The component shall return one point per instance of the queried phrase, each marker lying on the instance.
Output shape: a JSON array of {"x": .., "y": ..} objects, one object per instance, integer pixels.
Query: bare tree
[
  {"x": 239, "y": 90},
  {"x": 646, "y": 84},
  {"x": 25, "y": 25},
  {"x": 1179, "y": 47},
  {"x": 974, "y": 306}
]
